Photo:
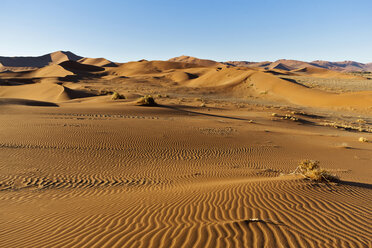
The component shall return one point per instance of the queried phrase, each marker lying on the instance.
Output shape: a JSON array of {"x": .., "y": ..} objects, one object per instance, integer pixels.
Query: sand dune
[
  {"x": 324, "y": 73},
  {"x": 31, "y": 63},
  {"x": 102, "y": 62},
  {"x": 280, "y": 66},
  {"x": 44, "y": 91},
  {"x": 310, "y": 97},
  {"x": 47, "y": 71},
  {"x": 77, "y": 67},
  {"x": 240, "y": 81},
  {"x": 147, "y": 67},
  {"x": 65, "y": 68},
  {"x": 196, "y": 61},
  {"x": 341, "y": 66},
  {"x": 344, "y": 66},
  {"x": 38, "y": 62},
  {"x": 234, "y": 80},
  {"x": 248, "y": 63}
]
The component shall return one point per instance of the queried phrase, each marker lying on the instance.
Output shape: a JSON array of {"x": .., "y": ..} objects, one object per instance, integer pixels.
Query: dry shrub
[
  {"x": 147, "y": 100},
  {"x": 116, "y": 96},
  {"x": 363, "y": 139},
  {"x": 310, "y": 170}
]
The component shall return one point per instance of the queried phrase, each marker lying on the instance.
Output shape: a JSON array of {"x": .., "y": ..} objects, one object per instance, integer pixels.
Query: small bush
[
  {"x": 116, "y": 96},
  {"x": 361, "y": 121},
  {"x": 310, "y": 170},
  {"x": 363, "y": 139},
  {"x": 147, "y": 100}
]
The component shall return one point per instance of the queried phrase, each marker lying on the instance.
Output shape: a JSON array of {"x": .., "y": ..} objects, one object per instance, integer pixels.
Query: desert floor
[
  {"x": 198, "y": 170},
  {"x": 133, "y": 176}
]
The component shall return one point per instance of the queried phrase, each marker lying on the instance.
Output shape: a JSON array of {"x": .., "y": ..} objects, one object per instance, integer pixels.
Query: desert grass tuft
[
  {"x": 116, "y": 96},
  {"x": 310, "y": 170},
  {"x": 147, "y": 100},
  {"x": 363, "y": 139}
]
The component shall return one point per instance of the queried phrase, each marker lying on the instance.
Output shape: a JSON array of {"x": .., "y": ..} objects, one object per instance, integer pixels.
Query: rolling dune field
[{"x": 209, "y": 165}]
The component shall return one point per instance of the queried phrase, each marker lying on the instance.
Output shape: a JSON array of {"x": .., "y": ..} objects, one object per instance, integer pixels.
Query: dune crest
[
  {"x": 196, "y": 61},
  {"x": 101, "y": 62}
]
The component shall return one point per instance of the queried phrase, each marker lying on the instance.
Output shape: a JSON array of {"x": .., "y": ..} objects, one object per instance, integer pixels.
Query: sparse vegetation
[
  {"x": 285, "y": 117},
  {"x": 147, "y": 100},
  {"x": 336, "y": 85},
  {"x": 348, "y": 126},
  {"x": 310, "y": 170},
  {"x": 363, "y": 139},
  {"x": 116, "y": 96},
  {"x": 361, "y": 121}
]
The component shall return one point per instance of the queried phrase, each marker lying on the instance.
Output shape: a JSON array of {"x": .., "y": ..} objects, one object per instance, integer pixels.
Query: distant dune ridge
[
  {"x": 193, "y": 60},
  {"x": 283, "y": 64},
  {"x": 40, "y": 61},
  {"x": 29, "y": 63},
  {"x": 97, "y": 62},
  {"x": 19, "y": 63}
]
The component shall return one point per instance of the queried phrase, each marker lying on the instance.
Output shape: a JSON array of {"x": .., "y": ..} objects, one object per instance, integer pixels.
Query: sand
[{"x": 209, "y": 166}]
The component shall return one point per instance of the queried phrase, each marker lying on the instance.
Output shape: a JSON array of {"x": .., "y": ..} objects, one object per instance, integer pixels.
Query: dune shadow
[
  {"x": 356, "y": 184},
  {"x": 73, "y": 94},
  {"x": 191, "y": 76},
  {"x": 112, "y": 64},
  {"x": 202, "y": 114},
  {"x": 249, "y": 221},
  {"x": 16, "y": 81},
  {"x": 26, "y": 102},
  {"x": 294, "y": 81},
  {"x": 275, "y": 72}
]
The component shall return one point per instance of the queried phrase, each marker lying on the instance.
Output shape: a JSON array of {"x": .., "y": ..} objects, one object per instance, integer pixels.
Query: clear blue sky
[{"x": 253, "y": 30}]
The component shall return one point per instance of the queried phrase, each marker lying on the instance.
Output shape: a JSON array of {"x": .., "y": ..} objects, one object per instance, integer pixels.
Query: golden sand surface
[{"x": 209, "y": 166}]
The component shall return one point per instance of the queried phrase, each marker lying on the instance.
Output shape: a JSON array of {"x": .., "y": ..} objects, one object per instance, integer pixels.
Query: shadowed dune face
[
  {"x": 77, "y": 67},
  {"x": 38, "y": 62},
  {"x": 55, "y": 58},
  {"x": 25, "y": 102}
]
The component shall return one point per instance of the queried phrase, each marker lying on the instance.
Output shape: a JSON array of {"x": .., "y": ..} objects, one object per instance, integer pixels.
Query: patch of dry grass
[
  {"x": 363, "y": 139},
  {"x": 310, "y": 170},
  {"x": 348, "y": 126},
  {"x": 147, "y": 100},
  {"x": 116, "y": 96}
]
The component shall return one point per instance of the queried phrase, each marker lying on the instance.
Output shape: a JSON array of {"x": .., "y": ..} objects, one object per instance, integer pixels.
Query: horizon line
[{"x": 227, "y": 60}]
